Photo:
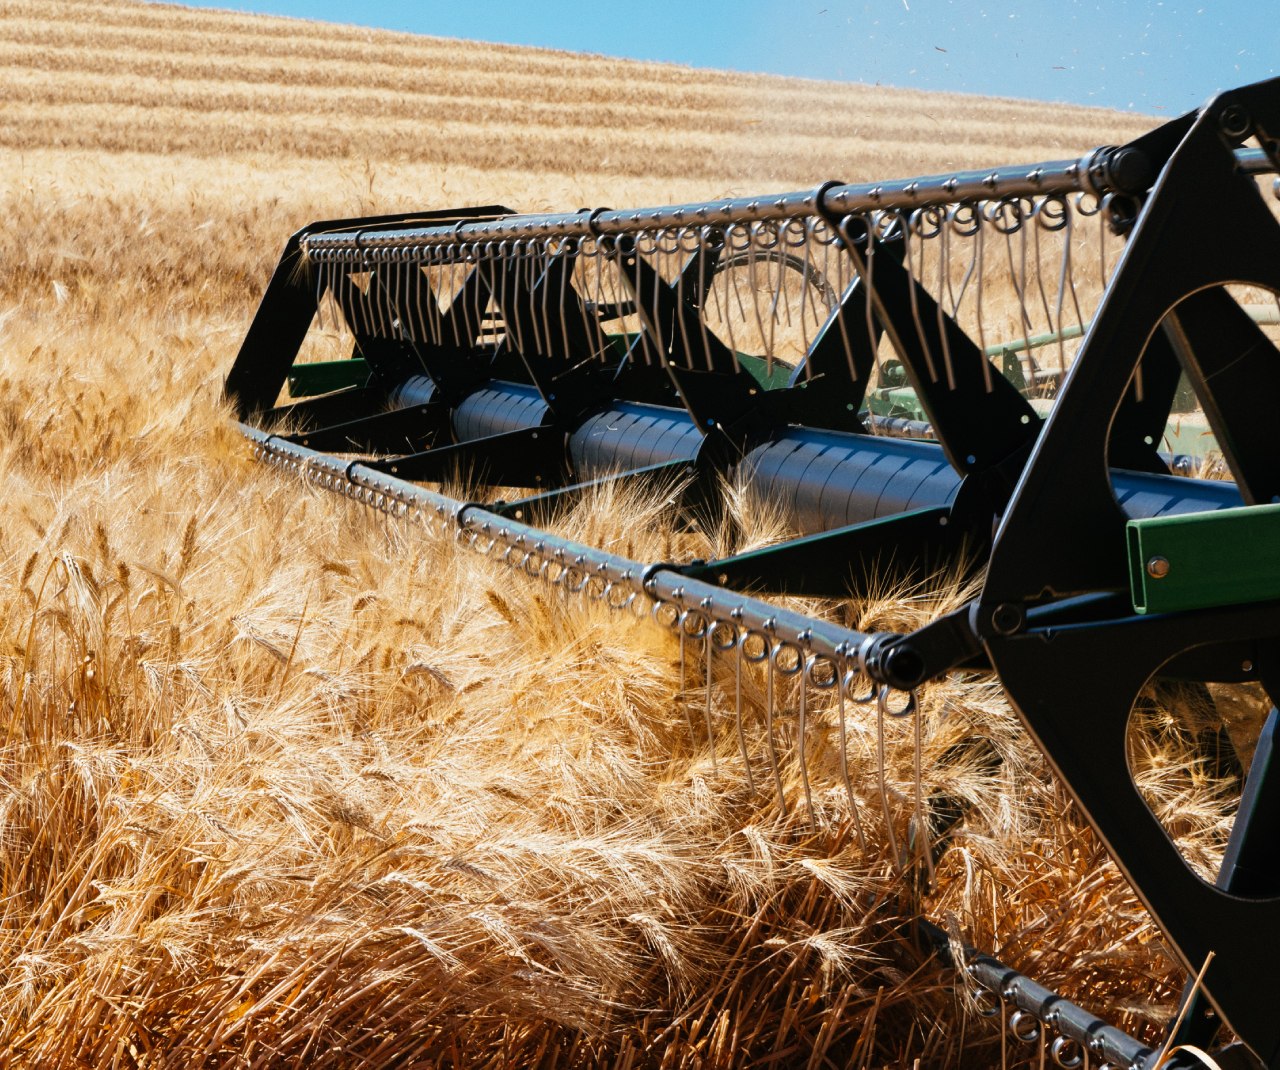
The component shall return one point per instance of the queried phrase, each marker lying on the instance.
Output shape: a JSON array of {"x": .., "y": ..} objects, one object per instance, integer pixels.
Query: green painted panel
[
  {"x": 323, "y": 377},
  {"x": 1218, "y": 558}
]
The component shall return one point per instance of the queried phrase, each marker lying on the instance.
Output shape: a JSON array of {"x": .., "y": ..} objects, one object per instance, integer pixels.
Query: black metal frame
[{"x": 1052, "y": 609}]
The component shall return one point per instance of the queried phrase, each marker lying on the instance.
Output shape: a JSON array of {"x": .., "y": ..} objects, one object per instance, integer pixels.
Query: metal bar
[
  {"x": 1046, "y": 1007},
  {"x": 847, "y": 649},
  {"x": 1178, "y": 562},
  {"x": 1105, "y": 170}
]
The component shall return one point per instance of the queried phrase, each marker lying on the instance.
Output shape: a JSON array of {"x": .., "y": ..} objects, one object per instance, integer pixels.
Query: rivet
[{"x": 1158, "y": 567}]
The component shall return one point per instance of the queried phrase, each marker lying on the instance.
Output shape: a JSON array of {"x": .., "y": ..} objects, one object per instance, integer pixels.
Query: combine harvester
[{"x": 1001, "y": 370}]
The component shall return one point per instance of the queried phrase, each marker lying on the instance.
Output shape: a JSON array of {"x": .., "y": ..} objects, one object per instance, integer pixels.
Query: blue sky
[{"x": 1155, "y": 56}]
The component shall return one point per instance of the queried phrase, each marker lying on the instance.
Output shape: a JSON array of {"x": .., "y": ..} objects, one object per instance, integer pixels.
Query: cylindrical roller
[
  {"x": 826, "y": 479},
  {"x": 1143, "y": 494},
  {"x": 628, "y": 436},
  {"x": 829, "y": 479},
  {"x": 416, "y": 390},
  {"x": 496, "y": 408},
  {"x": 821, "y": 479}
]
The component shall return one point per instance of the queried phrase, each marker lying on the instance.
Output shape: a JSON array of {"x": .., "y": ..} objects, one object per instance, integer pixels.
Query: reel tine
[
  {"x": 770, "y": 696},
  {"x": 842, "y": 687},
  {"x": 905, "y": 227},
  {"x": 923, "y": 840},
  {"x": 802, "y": 731},
  {"x": 711, "y": 735},
  {"x": 882, "y": 697},
  {"x": 739, "y": 643}
]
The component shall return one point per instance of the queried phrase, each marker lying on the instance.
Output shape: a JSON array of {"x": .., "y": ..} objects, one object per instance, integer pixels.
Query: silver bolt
[{"x": 1158, "y": 568}]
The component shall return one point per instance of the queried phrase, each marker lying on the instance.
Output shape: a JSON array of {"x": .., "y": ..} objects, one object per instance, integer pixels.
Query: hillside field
[{"x": 286, "y": 786}]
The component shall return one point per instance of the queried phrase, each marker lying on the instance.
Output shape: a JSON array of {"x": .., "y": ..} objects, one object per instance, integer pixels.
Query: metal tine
[
  {"x": 373, "y": 304},
  {"x": 614, "y": 291},
  {"x": 1018, "y": 271},
  {"x": 593, "y": 263},
  {"x": 532, "y": 262},
  {"x": 753, "y": 257},
  {"x": 321, "y": 291},
  {"x": 378, "y": 297},
  {"x": 1037, "y": 225},
  {"x": 905, "y": 226},
  {"x": 980, "y": 253},
  {"x": 563, "y": 250},
  {"x": 777, "y": 305},
  {"x": 731, "y": 283},
  {"x": 509, "y": 265},
  {"x": 802, "y": 728},
  {"x": 337, "y": 321},
  {"x": 944, "y": 287},
  {"x": 579, "y": 283},
  {"x": 647, "y": 343},
  {"x": 1067, "y": 278},
  {"x": 401, "y": 306},
  {"x": 663, "y": 343},
  {"x": 770, "y": 711},
  {"x": 479, "y": 301},
  {"x": 699, "y": 282},
  {"x": 962, "y": 227},
  {"x": 680, "y": 297},
  {"x": 348, "y": 306},
  {"x": 842, "y": 687},
  {"x": 882, "y": 695},
  {"x": 922, "y": 825},
  {"x": 682, "y": 697},
  {"x": 388, "y": 301},
  {"x": 805, "y": 289},
  {"x": 739, "y": 643},
  {"x": 542, "y": 272},
  {"x": 842, "y": 291},
  {"x": 435, "y": 330},
  {"x": 415, "y": 285},
  {"x": 451, "y": 263},
  {"x": 766, "y": 655},
  {"x": 493, "y": 251},
  {"x": 707, "y": 647},
  {"x": 869, "y": 281}
]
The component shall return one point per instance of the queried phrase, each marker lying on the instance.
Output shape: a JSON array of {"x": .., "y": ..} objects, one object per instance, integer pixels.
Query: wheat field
[{"x": 285, "y": 786}]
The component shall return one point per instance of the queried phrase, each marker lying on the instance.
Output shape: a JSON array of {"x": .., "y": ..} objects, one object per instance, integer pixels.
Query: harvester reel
[{"x": 560, "y": 353}]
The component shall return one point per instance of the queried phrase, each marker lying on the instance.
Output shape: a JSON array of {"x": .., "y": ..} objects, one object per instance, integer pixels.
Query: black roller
[
  {"x": 628, "y": 436},
  {"x": 826, "y": 479},
  {"x": 498, "y": 408},
  {"x": 416, "y": 390}
]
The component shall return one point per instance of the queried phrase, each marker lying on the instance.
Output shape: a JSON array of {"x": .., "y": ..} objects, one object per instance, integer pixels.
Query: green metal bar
[
  {"x": 1197, "y": 560},
  {"x": 1035, "y": 341},
  {"x": 325, "y": 376}
]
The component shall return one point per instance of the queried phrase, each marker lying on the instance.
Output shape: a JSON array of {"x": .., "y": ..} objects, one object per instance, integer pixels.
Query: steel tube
[
  {"x": 1053, "y": 177},
  {"x": 663, "y": 584},
  {"x": 1025, "y": 180}
]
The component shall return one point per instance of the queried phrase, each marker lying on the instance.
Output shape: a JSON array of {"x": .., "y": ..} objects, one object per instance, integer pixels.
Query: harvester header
[{"x": 1047, "y": 379}]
